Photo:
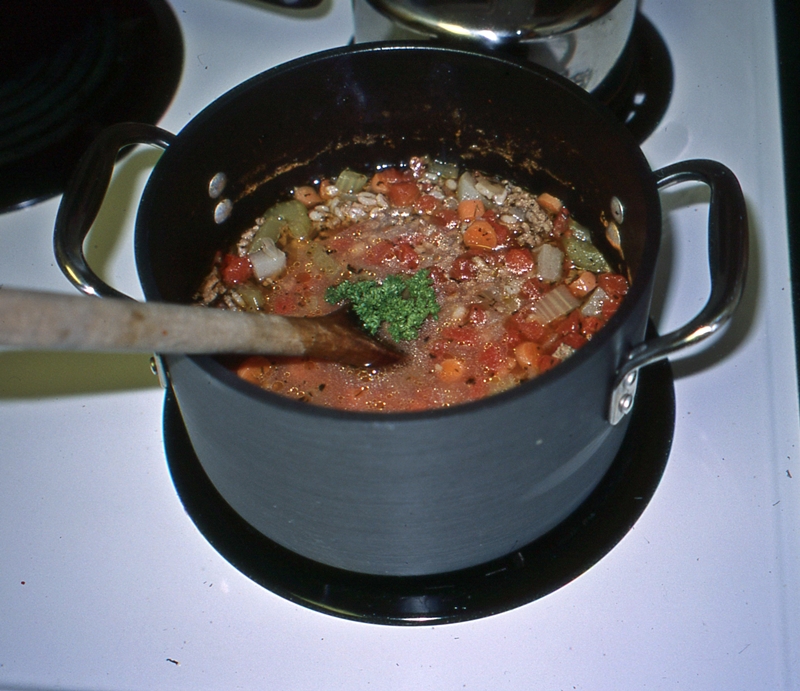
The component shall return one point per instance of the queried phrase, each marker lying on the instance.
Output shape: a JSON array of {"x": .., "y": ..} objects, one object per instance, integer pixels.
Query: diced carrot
[
  {"x": 549, "y": 203},
  {"x": 380, "y": 182},
  {"x": 583, "y": 285},
  {"x": 528, "y": 354},
  {"x": 450, "y": 370},
  {"x": 470, "y": 209},
  {"x": 307, "y": 196},
  {"x": 480, "y": 234}
]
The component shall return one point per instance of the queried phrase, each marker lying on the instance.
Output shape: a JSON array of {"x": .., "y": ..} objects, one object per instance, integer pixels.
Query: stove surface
[{"x": 107, "y": 583}]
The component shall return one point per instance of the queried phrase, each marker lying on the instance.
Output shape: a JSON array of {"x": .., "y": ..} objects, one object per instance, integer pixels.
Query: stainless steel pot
[
  {"x": 582, "y": 40},
  {"x": 416, "y": 493}
]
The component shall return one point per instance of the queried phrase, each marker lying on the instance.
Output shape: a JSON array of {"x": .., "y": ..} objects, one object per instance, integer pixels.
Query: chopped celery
[
  {"x": 585, "y": 255},
  {"x": 446, "y": 171},
  {"x": 252, "y": 298},
  {"x": 291, "y": 215},
  {"x": 350, "y": 182},
  {"x": 557, "y": 303}
]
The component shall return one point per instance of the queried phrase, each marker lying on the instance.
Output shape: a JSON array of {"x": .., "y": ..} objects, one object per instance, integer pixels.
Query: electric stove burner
[
  {"x": 639, "y": 87},
  {"x": 70, "y": 69},
  {"x": 541, "y": 567}
]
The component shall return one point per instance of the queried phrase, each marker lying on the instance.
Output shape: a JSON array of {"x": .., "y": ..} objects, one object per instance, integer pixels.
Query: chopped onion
[
  {"x": 268, "y": 260},
  {"x": 466, "y": 188},
  {"x": 549, "y": 263},
  {"x": 491, "y": 190},
  {"x": 593, "y": 307},
  {"x": 557, "y": 303}
]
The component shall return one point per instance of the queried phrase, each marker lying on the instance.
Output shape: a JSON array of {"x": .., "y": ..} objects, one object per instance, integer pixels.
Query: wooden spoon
[{"x": 54, "y": 321}]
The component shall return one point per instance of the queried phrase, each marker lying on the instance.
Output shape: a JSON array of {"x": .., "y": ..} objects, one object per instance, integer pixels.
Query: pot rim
[{"x": 638, "y": 291}]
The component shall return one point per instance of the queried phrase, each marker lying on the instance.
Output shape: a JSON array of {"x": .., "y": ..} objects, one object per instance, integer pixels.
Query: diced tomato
[
  {"x": 403, "y": 193},
  {"x": 466, "y": 334},
  {"x": 614, "y": 284},
  {"x": 437, "y": 275},
  {"x": 519, "y": 260},
  {"x": 427, "y": 203},
  {"x": 500, "y": 229},
  {"x": 609, "y": 308},
  {"x": 445, "y": 218},
  {"x": 406, "y": 255},
  {"x": 235, "y": 269},
  {"x": 534, "y": 288},
  {"x": 284, "y": 304},
  {"x": 476, "y": 315},
  {"x": 569, "y": 324},
  {"x": 575, "y": 340},
  {"x": 379, "y": 253},
  {"x": 551, "y": 343},
  {"x": 463, "y": 269},
  {"x": 530, "y": 330},
  {"x": 546, "y": 362},
  {"x": 494, "y": 358},
  {"x": 561, "y": 223},
  {"x": 591, "y": 325}
]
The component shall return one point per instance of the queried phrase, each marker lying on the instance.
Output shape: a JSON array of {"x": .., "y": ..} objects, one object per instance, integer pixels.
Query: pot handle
[
  {"x": 727, "y": 259},
  {"x": 84, "y": 195}
]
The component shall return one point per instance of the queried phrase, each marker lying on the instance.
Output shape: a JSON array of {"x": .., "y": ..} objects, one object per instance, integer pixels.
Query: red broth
[{"x": 518, "y": 284}]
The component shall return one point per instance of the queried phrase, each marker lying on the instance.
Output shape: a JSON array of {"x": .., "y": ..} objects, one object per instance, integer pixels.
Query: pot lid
[{"x": 496, "y": 21}]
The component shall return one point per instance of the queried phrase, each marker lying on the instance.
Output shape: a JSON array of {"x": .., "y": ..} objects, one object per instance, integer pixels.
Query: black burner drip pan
[
  {"x": 639, "y": 88},
  {"x": 70, "y": 69},
  {"x": 537, "y": 569}
]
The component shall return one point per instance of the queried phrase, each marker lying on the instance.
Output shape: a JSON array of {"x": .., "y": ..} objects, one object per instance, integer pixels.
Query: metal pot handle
[
  {"x": 84, "y": 195},
  {"x": 727, "y": 259}
]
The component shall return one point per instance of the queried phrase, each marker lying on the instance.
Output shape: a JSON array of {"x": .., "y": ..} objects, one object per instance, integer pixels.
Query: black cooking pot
[{"x": 410, "y": 493}]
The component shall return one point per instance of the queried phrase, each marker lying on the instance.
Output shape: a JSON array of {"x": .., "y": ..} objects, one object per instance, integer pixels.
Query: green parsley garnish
[{"x": 402, "y": 303}]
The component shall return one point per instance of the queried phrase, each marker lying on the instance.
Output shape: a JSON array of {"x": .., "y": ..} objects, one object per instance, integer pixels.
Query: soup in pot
[{"x": 480, "y": 283}]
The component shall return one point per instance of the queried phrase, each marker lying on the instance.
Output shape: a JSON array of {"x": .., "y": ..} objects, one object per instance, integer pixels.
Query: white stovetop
[{"x": 105, "y": 583}]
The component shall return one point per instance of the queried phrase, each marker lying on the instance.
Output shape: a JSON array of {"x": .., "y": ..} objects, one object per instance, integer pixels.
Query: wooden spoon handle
[{"x": 54, "y": 321}]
